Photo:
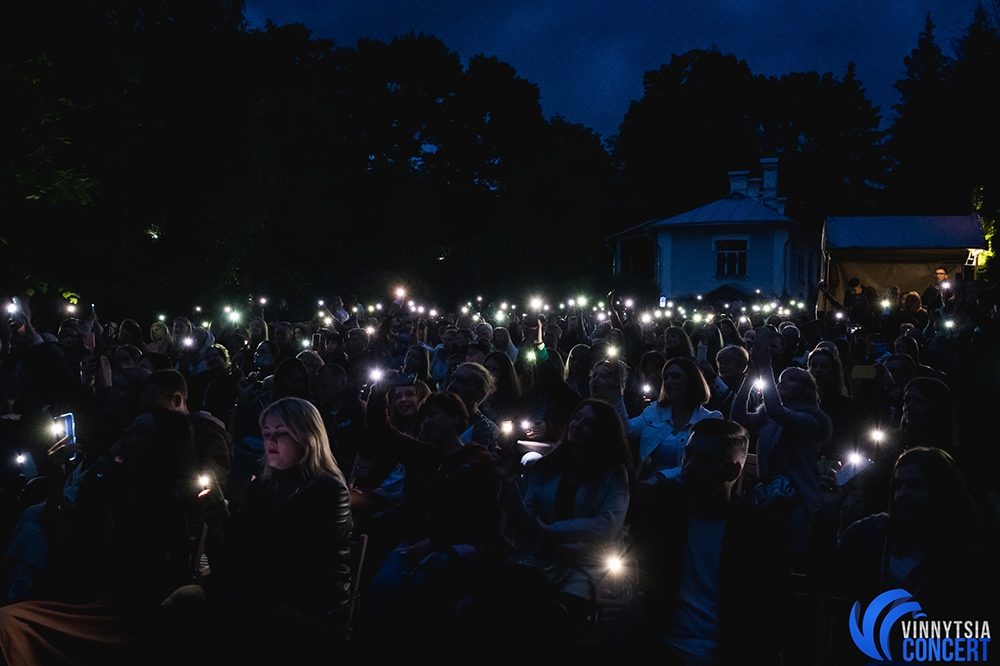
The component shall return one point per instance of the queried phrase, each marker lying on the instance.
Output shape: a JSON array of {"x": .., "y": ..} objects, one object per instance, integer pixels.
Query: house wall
[{"x": 688, "y": 262}]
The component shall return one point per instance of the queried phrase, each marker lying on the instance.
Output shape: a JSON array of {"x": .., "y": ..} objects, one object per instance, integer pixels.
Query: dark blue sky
[{"x": 588, "y": 56}]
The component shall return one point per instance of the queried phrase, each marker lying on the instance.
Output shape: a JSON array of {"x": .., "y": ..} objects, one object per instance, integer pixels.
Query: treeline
[{"x": 161, "y": 153}]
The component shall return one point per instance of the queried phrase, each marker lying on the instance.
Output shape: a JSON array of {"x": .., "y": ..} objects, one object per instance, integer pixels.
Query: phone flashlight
[
  {"x": 506, "y": 427},
  {"x": 525, "y": 425},
  {"x": 376, "y": 375},
  {"x": 759, "y": 384},
  {"x": 188, "y": 342},
  {"x": 612, "y": 352},
  {"x": 21, "y": 459},
  {"x": 878, "y": 436},
  {"x": 12, "y": 308},
  {"x": 647, "y": 389}
]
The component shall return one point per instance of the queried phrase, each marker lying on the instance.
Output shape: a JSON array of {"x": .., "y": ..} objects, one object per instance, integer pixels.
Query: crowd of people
[{"x": 696, "y": 485}]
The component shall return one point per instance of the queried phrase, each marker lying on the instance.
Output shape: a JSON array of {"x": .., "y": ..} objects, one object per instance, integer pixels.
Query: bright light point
[
  {"x": 759, "y": 384},
  {"x": 697, "y": 318},
  {"x": 525, "y": 425},
  {"x": 376, "y": 375},
  {"x": 791, "y": 302},
  {"x": 328, "y": 321},
  {"x": 855, "y": 458},
  {"x": 885, "y": 303},
  {"x": 743, "y": 320},
  {"x": 197, "y": 308},
  {"x": 646, "y": 388},
  {"x": 371, "y": 308},
  {"x": 420, "y": 309},
  {"x": 57, "y": 429},
  {"x": 503, "y": 306},
  {"x": 562, "y": 306},
  {"x": 802, "y": 306},
  {"x": 698, "y": 297},
  {"x": 725, "y": 305},
  {"x": 410, "y": 303},
  {"x": 600, "y": 316},
  {"x": 949, "y": 324},
  {"x": 203, "y": 480},
  {"x": 946, "y": 285},
  {"x": 71, "y": 308},
  {"x": 227, "y": 309},
  {"x": 614, "y": 564},
  {"x": 12, "y": 308},
  {"x": 669, "y": 313},
  {"x": 628, "y": 302},
  {"x": 878, "y": 436},
  {"x": 433, "y": 313},
  {"x": 767, "y": 308},
  {"x": 320, "y": 303},
  {"x": 530, "y": 356},
  {"x": 657, "y": 314},
  {"x": 400, "y": 292},
  {"x": 499, "y": 315},
  {"x": 378, "y": 306},
  {"x": 571, "y": 302},
  {"x": 758, "y": 291},
  {"x": 839, "y": 315},
  {"x": 306, "y": 343},
  {"x": 21, "y": 458},
  {"x": 354, "y": 309},
  {"x": 646, "y": 318},
  {"x": 670, "y": 304},
  {"x": 506, "y": 427},
  {"x": 163, "y": 317},
  {"x": 263, "y": 301},
  {"x": 188, "y": 342},
  {"x": 319, "y": 314},
  {"x": 545, "y": 307},
  {"x": 205, "y": 324},
  {"x": 536, "y": 304},
  {"x": 612, "y": 352},
  {"x": 234, "y": 316}
]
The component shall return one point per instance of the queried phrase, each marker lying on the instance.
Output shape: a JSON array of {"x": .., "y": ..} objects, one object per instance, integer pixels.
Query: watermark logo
[
  {"x": 889, "y": 607},
  {"x": 923, "y": 639}
]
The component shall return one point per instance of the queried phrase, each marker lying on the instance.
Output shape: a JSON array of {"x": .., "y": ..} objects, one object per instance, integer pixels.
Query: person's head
[
  {"x": 128, "y": 356},
  {"x": 501, "y": 338},
  {"x": 124, "y": 397},
  {"x": 676, "y": 343},
  {"x": 928, "y": 413},
  {"x": 730, "y": 334},
  {"x": 357, "y": 342},
  {"x": 159, "y": 454},
  {"x": 129, "y": 333},
  {"x": 504, "y": 376},
  {"x": 901, "y": 369},
  {"x": 940, "y": 274},
  {"x": 294, "y": 437},
  {"x": 217, "y": 358},
  {"x": 796, "y": 387},
  {"x": 651, "y": 369},
  {"x": 166, "y": 389},
  {"x": 714, "y": 456},
  {"x": 551, "y": 336},
  {"x": 908, "y": 346},
  {"x": 732, "y": 361},
  {"x": 331, "y": 382},
  {"x": 416, "y": 361},
  {"x": 929, "y": 494},
  {"x": 911, "y": 302},
  {"x": 595, "y": 439},
  {"x": 472, "y": 383},
  {"x": 312, "y": 361},
  {"x": 291, "y": 379},
  {"x": 181, "y": 329},
  {"x": 477, "y": 352},
  {"x": 405, "y": 401},
  {"x": 854, "y": 286},
  {"x": 825, "y": 367},
  {"x": 443, "y": 417},
  {"x": 159, "y": 332},
  {"x": 484, "y": 332},
  {"x": 607, "y": 380},
  {"x": 683, "y": 384},
  {"x": 578, "y": 362},
  {"x": 284, "y": 334},
  {"x": 266, "y": 354},
  {"x": 257, "y": 330}
]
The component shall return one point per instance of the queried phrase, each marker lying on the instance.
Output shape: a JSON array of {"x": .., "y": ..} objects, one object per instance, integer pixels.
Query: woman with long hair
[
  {"x": 503, "y": 403},
  {"x": 662, "y": 429},
  {"x": 792, "y": 429},
  {"x": 676, "y": 343},
  {"x": 826, "y": 369}
]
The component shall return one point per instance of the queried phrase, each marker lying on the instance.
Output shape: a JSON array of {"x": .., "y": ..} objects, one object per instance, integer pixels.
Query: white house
[{"x": 742, "y": 242}]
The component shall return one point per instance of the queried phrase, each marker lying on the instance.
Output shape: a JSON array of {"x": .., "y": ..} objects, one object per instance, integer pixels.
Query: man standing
[
  {"x": 933, "y": 295},
  {"x": 717, "y": 568}
]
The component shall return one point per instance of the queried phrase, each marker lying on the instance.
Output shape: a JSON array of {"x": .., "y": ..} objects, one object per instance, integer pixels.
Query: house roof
[
  {"x": 735, "y": 208},
  {"x": 905, "y": 232}
]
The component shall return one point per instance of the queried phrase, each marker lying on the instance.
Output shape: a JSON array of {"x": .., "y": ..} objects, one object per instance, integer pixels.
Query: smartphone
[
  {"x": 88, "y": 341},
  {"x": 702, "y": 351},
  {"x": 317, "y": 341},
  {"x": 851, "y": 470},
  {"x": 663, "y": 301},
  {"x": 64, "y": 425}
]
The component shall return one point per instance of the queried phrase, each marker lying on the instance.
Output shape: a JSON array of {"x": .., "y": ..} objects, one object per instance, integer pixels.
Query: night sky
[{"x": 588, "y": 56}]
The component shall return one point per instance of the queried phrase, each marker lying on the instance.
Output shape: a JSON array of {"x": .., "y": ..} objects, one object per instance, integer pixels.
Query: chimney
[
  {"x": 769, "y": 191},
  {"x": 738, "y": 181},
  {"x": 753, "y": 188}
]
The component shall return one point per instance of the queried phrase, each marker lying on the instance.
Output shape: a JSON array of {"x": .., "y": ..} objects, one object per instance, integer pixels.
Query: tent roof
[{"x": 905, "y": 232}]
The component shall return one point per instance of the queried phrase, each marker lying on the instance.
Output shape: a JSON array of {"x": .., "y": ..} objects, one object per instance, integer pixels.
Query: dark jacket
[
  {"x": 754, "y": 575},
  {"x": 290, "y": 547}
]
